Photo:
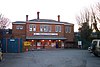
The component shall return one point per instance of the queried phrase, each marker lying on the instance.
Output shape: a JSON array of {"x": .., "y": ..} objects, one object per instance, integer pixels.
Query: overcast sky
[{"x": 16, "y": 10}]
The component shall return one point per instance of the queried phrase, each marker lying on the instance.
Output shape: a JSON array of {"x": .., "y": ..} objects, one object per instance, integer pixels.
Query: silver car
[{"x": 96, "y": 47}]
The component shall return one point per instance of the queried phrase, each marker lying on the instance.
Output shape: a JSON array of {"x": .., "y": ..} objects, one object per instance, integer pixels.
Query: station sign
[{"x": 46, "y": 34}]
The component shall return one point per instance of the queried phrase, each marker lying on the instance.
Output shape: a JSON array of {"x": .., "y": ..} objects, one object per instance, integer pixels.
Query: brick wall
[
  {"x": 30, "y": 33},
  {"x": 25, "y": 31},
  {"x": 70, "y": 35},
  {"x": 18, "y": 33}
]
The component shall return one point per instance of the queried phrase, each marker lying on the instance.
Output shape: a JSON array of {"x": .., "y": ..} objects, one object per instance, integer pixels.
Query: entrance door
[
  {"x": 12, "y": 47},
  {"x": 38, "y": 45}
]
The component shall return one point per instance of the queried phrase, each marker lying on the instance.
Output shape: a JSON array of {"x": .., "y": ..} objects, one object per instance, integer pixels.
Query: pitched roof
[
  {"x": 43, "y": 21},
  {"x": 19, "y": 22},
  {"x": 47, "y": 20}
]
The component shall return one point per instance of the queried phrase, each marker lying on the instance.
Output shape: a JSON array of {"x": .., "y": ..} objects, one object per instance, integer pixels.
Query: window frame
[
  {"x": 67, "y": 29},
  {"x": 19, "y": 27},
  {"x": 41, "y": 28},
  {"x": 58, "y": 28},
  {"x": 45, "y": 28},
  {"x": 32, "y": 27}
]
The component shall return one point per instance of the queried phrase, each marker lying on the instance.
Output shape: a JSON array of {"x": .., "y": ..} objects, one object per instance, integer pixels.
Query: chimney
[
  {"x": 26, "y": 17},
  {"x": 58, "y": 18},
  {"x": 38, "y": 15}
]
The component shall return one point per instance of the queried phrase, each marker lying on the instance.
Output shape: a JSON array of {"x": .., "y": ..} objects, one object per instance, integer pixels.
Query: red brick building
[{"x": 44, "y": 32}]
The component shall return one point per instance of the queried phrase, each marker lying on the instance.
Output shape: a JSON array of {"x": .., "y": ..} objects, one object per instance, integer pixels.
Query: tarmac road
[{"x": 51, "y": 58}]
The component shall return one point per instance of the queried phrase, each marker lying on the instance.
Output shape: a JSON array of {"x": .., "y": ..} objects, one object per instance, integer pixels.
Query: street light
[{"x": 4, "y": 31}]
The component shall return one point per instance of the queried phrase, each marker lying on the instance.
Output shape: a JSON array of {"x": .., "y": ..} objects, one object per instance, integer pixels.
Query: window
[
  {"x": 58, "y": 28},
  {"x": 49, "y": 28},
  {"x": 94, "y": 43},
  {"x": 45, "y": 28},
  {"x": 41, "y": 28},
  {"x": 19, "y": 27},
  {"x": 32, "y": 27},
  {"x": 67, "y": 29}
]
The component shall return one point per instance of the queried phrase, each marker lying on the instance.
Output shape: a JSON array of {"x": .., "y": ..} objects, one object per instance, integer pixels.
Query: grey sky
[{"x": 16, "y": 10}]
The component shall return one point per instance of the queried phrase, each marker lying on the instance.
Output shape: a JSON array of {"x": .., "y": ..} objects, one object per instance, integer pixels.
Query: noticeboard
[
  {"x": 79, "y": 42},
  {"x": 27, "y": 43}
]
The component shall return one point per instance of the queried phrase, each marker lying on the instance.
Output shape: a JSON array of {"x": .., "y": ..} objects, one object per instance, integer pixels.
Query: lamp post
[{"x": 4, "y": 32}]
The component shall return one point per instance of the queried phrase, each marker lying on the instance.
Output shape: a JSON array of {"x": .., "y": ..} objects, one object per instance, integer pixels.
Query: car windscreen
[{"x": 94, "y": 42}]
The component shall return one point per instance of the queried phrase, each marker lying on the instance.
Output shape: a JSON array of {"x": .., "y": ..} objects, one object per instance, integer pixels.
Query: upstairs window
[
  {"x": 57, "y": 28},
  {"x": 67, "y": 29},
  {"x": 41, "y": 28},
  {"x": 32, "y": 27},
  {"x": 49, "y": 28},
  {"x": 19, "y": 27},
  {"x": 45, "y": 28}
]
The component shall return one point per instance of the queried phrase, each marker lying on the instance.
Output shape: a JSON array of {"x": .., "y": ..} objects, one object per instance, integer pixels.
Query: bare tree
[
  {"x": 98, "y": 19},
  {"x": 98, "y": 9},
  {"x": 84, "y": 17},
  {"x": 98, "y": 6},
  {"x": 94, "y": 19},
  {"x": 4, "y": 22},
  {"x": 85, "y": 30},
  {"x": 96, "y": 16},
  {"x": 89, "y": 18},
  {"x": 83, "y": 21}
]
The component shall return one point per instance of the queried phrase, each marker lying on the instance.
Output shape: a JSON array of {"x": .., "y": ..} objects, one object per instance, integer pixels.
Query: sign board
[
  {"x": 45, "y": 33},
  {"x": 79, "y": 42},
  {"x": 12, "y": 39},
  {"x": 26, "y": 43}
]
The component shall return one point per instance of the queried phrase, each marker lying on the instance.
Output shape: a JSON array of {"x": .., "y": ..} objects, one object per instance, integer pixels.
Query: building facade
[{"x": 44, "y": 33}]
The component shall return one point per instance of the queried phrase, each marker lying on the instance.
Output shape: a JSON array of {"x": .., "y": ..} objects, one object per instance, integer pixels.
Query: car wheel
[{"x": 96, "y": 54}]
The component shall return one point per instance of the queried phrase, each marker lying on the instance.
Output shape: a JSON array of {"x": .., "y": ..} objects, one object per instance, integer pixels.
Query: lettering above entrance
[{"x": 45, "y": 33}]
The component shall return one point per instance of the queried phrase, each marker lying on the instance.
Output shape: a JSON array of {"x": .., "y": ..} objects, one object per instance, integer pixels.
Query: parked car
[
  {"x": 1, "y": 55},
  {"x": 96, "y": 47}
]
